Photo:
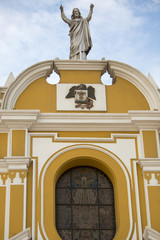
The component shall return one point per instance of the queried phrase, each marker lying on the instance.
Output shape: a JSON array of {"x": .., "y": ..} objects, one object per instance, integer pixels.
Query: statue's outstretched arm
[
  {"x": 63, "y": 16},
  {"x": 90, "y": 13}
]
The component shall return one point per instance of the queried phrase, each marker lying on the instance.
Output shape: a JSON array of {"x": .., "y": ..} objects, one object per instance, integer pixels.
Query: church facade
[{"x": 80, "y": 159}]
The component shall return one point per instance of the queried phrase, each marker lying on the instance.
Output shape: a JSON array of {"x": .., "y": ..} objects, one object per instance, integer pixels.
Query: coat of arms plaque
[{"x": 84, "y": 97}]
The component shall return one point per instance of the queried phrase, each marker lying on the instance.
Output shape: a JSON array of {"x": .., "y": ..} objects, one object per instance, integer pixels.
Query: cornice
[
  {"x": 87, "y": 65},
  {"x": 150, "y": 234},
  {"x": 3, "y": 89},
  {"x": 97, "y": 121},
  {"x": 21, "y": 119},
  {"x": 150, "y": 164},
  {"x": 14, "y": 163},
  {"x": 3, "y": 166},
  {"x": 33, "y": 120}
]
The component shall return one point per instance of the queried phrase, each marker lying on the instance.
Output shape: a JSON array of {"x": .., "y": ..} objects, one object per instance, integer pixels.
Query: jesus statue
[{"x": 80, "y": 38}]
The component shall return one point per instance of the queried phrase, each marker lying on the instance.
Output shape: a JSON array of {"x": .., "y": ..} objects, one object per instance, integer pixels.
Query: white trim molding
[
  {"x": 17, "y": 119},
  {"x": 150, "y": 164},
  {"x": 25, "y": 235},
  {"x": 14, "y": 163},
  {"x": 150, "y": 234},
  {"x": 131, "y": 121},
  {"x": 42, "y": 69},
  {"x": 33, "y": 120},
  {"x": 112, "y": 138},
  {"x": 143, "y": 83}
]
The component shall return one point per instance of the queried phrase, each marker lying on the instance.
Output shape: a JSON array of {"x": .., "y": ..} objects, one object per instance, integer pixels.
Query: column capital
[{"x": 14, "y": 163}]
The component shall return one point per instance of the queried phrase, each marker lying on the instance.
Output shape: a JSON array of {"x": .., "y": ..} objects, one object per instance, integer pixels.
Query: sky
[{"x": 32, "y": 31}]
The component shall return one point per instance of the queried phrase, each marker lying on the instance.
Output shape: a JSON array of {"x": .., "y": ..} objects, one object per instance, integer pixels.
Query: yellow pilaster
[
  {"x": 3, "y": 144},
  {"x": 142, "y": 198},
  {"x": 16, "y": 210},
  {"x": 154, "y": 202},
  {"x": 18, "y": 142},
  {"x": 150, "y": 144}
]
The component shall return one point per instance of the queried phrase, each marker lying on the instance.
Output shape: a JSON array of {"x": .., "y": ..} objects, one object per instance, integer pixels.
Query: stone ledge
[
  {"x": 150, "y": 164},
  {"x": 25, "y": 235},
  {"x": 86, "y": 65},
  {"x": 14, "y": 163},
  {"x": 150, "y": 234}
]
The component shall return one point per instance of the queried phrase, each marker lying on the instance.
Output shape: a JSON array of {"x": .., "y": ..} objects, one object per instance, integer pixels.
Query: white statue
[{"x": 80, "y": 38}]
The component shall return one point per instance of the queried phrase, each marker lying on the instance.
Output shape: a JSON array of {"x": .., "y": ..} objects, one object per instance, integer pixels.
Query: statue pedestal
[{"x": 80, "y": 71}]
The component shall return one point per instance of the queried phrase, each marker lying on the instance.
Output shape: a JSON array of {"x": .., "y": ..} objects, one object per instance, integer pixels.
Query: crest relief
[{"x": 83, "y": 96}]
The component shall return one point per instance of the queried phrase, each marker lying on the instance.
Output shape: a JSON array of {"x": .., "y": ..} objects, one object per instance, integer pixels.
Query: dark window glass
[{"x": 85, "y": 205}]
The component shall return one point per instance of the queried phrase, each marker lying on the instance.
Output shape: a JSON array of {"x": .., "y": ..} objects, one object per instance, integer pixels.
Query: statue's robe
[{"x": 80, "y": 37}]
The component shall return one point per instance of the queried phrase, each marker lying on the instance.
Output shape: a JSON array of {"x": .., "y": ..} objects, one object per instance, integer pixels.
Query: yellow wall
[
  {"x": 3, "y": 144},
  {"x": 93, "y": 77},
  {"x": 18, "y": 142},
  {"x": 16, "y": 210},
  {"x": 120, "y": 97},
  {"x": 2, "y": 211},
  {"x": 150, "y": 144},
  {"x": 123, "y": 96},
  {"x": 38, "y": 95},
  {"x": 154, "y": 202}
]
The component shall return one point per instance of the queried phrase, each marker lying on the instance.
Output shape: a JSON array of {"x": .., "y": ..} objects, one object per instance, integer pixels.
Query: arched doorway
[
  {"x": 85, "y": 205},
  {"x": 85, "y": 155}
]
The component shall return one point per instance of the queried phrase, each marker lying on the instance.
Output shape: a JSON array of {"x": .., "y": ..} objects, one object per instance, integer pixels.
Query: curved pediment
[{"x": 144, "y": 92}]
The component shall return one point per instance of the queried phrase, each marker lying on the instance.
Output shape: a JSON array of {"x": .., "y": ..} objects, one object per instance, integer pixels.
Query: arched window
[{"x": 85, "y": 205}]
